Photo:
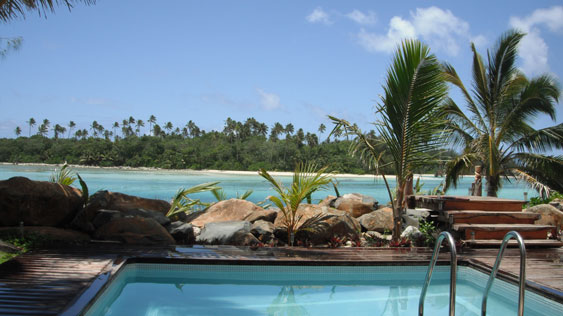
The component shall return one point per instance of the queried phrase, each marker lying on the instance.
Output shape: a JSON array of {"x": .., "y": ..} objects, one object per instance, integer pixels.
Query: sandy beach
[{"x": 225, "y": 172}]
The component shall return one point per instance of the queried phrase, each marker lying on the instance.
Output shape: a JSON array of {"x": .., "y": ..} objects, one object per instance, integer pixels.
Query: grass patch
[{"x": 4, "y": 256}]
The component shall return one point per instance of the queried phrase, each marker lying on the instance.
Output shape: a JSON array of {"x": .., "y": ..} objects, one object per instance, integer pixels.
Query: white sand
[{"x": 225, "y": 172}]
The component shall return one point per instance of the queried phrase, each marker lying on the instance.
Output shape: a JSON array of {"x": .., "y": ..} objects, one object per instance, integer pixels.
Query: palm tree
[
  {"x": 115, "y": 126},
  {"x": 58, "y": 129},
  {"x": 496, "y": 134},
  {"x": 18, "y": 131},
  {"x": 306, "y": 180},
  {"x": 411, "y": 120},
  {"x": 152, "y": 121},
  {"x": 169, "y": 127},
  {"x": 289, "y": 129},
  {"x": 139, "y": 124},
  {"x": 322, "y": 128},
  {"x": 71, "y": 125},
  {"x": 14, "y": 9},
  {"x": 31, "y": 123}
]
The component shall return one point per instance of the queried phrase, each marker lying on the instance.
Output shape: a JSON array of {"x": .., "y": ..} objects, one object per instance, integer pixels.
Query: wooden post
[{"x": 478, "y": 184}]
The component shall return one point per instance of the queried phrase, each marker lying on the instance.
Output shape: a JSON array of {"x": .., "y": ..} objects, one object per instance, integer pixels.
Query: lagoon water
[{"x": 163, "y": 184}]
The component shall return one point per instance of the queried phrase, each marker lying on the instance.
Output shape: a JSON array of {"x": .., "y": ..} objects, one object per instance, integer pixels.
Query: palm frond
[
  {"x": 532, "y": 182},
  {"x": 545, "y": 169},
  {"x": 541, "y": 140},
  {"x": 457, "y": 167},
  {"x": 13, "y": 9}
]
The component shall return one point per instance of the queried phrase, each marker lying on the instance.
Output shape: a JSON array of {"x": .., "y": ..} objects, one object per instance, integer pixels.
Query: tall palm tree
[
  {"x": 71, "y": 125},
  {"x": 152, "y": 121},
  {"x": 411, "y": 121},
  {"x": 139, "y": 124},
  {"x": 18, "y": 131},
  {"x": 13, "y": 9},
  {"x": 496, "y": 132},
  {"x": 31, "y": 122}
]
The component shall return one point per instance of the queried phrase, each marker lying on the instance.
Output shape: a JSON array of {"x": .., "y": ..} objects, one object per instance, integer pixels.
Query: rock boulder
[
  {"x": 379, "y": 221},
  {"x": 550, "y": 215},
  {"x": 116, "y": 202},
  {"x": 49, "y": 235},
  {"x": 318, "y": 224},
  {"x": 235, "y": 233},
  {"x": 233, "y": 210},
  {"x": 135, "y": 230},
  {"x": 182, "y": 232},
  {"x": 37, "y": 203},
  {"x": 356, "y": 204}
]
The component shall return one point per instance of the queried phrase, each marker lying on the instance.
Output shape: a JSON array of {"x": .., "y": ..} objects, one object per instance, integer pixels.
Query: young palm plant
[
  {"x": 306, "y": 180},
  {"x": 496, "y": 132},
  {"x": 183, "y": 203},
  {"x": 411, "y": 124},
  {"x": 64, "y": 176}
]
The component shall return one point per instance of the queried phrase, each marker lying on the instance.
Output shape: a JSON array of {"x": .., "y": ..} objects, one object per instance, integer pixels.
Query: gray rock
[
  {"x": 263, "y": 231},
  {"x": 224, "y": 233},
  {"x": 411, "y": 232},
  {"x": 412, "y": 217},
  {"x": 182, "y": 232}
]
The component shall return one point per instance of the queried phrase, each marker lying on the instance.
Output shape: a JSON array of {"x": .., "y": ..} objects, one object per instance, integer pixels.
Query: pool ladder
[{"x": 453, "y": 270}]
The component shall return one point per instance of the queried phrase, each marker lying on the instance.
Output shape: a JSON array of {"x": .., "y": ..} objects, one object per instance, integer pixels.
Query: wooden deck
[{"x": 63, "y": 281}]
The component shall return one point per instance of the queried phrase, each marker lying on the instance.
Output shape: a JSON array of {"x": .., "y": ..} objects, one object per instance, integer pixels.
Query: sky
[{"x": 277, "y": 61}]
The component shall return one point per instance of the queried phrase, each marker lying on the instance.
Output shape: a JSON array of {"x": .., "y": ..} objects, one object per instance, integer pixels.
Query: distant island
[{"x": 240, "y": 146}]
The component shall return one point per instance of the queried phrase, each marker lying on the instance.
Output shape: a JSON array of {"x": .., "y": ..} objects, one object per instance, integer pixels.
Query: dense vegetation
[{"x": 248, "y": 145}]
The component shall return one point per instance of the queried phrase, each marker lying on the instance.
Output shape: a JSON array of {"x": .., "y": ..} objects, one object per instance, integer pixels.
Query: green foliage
[
  {"x": 412, "y": 120},
  {"x": 249, "y": 151},
  {"x": 4, "y": 256},
  {"x": 428, "y": 230},
  {"x": 63, "y": 176},
  {"x": 540, "y": 200},
  {"x": 182, "y": 203},
  {"x": 495, "y": 130},
  {"x": 307, "y": 178},
  {"x": 220, "y": 194},
  {"x": 85, "y": 193}
]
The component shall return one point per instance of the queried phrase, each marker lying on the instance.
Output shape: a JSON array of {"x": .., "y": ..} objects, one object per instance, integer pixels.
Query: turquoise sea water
[
  {"x": 174, "y": 289},
  {"x": 162, "y": 184}
]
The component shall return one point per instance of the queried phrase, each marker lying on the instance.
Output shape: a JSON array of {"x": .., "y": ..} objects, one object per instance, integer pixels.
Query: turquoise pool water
[
  {"x": 162, "y": 184},
  {"x": 175, "y": 289}
]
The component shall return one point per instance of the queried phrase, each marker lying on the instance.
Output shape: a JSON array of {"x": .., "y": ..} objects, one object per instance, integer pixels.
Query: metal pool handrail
[
  {"x": 521, "y": 282},
  {"x": 453, "y": 270}
]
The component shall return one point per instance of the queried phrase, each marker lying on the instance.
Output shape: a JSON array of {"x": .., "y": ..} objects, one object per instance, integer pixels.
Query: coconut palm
[
  {"x": 18, "y": 131},
  {"x": 31, "y": 122},
  {"x": 152, "y": 121},
  {"x": 71, "y": 125},
  {"x": 306, "y": 180},
  {"x": 13, "y": 9},
  {"x": 411, "y": 121},
  {"x": 496, "y": 131}
]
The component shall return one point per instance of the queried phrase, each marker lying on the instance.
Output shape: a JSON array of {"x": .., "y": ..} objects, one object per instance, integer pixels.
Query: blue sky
[{"x": 276, "y": 61}]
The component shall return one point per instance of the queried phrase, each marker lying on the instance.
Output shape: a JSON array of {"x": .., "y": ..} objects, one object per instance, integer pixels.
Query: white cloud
[
  {"x": 441, "y": 29},
  {"x": 398, "y": 30},
  {"x": 319, "y": 16},
  {"x": 533, "y": 50},
  {"x": 269, "y": 101},
  {"x": 362, "y": 18}
]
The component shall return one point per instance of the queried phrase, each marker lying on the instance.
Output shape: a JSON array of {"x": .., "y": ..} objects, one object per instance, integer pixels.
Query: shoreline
[{"x": 206, "y": 171}]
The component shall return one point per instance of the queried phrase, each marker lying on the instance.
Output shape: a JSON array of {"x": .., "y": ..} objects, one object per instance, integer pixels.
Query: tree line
[{"x": 248, "y": 145}]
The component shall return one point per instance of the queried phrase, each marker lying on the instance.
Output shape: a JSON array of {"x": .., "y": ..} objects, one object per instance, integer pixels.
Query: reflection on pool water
[{"x": 185, "y": 289}]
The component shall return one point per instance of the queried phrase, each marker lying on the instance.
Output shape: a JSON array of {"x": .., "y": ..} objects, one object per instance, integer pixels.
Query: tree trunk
[
  {"x": 397, "y": 212},
  {"x": 492, "y": 185}
]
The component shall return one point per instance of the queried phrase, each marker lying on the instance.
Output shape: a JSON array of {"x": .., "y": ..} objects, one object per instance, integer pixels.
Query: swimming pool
[{"x": 193, "y": 289}]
